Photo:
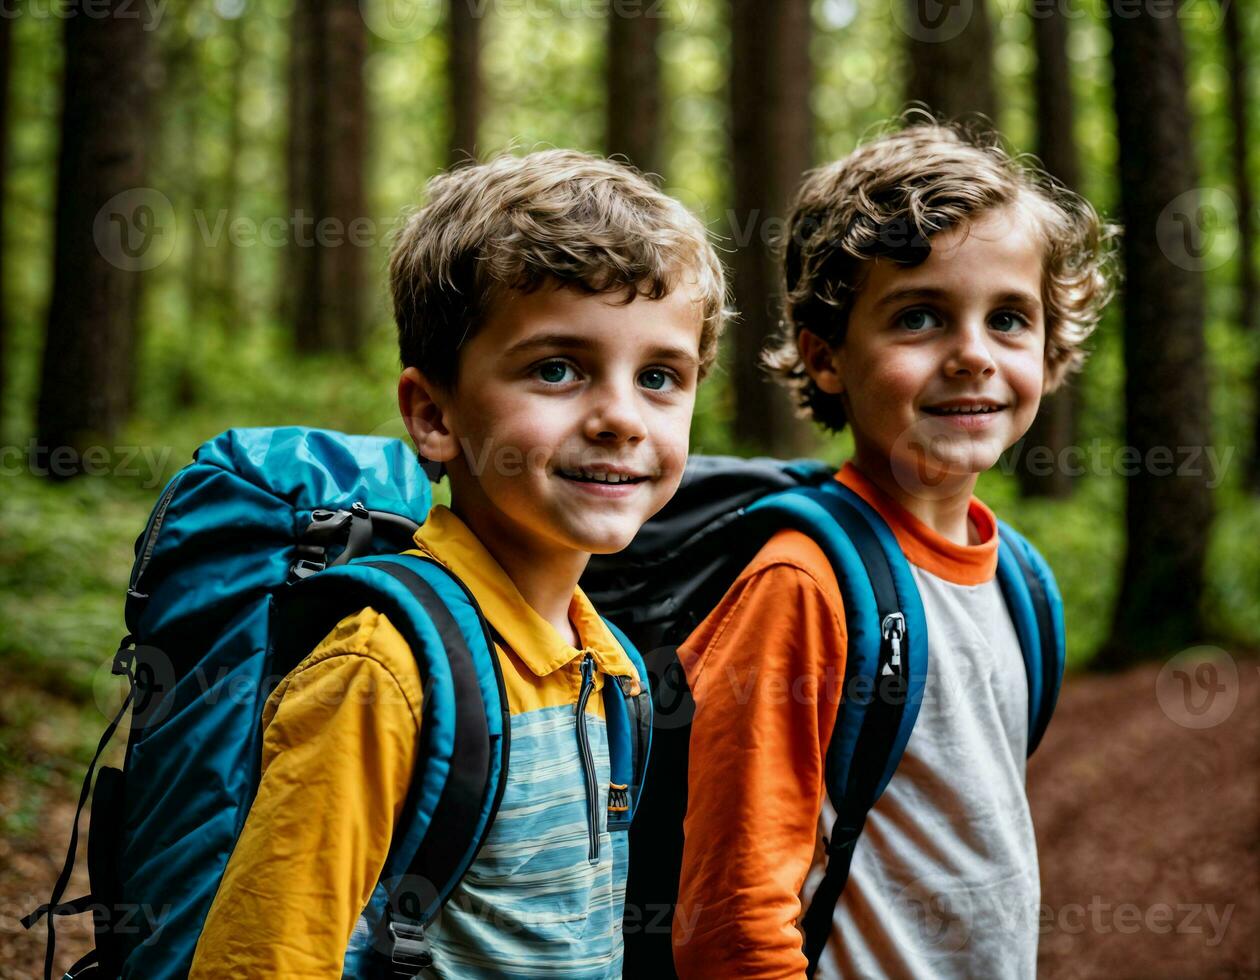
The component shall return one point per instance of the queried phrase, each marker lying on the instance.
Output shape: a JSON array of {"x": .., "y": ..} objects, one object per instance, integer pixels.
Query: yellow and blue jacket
[{"x": 545, "y": 894}]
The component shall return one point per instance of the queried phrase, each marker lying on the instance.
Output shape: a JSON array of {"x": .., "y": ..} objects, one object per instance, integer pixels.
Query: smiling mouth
[
  {"x": 965, "y": 410},
  {"x": 594, "y": 476}
]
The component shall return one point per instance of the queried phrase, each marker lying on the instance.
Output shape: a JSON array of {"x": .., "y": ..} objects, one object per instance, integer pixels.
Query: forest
[{"x": 197, "y": 208}]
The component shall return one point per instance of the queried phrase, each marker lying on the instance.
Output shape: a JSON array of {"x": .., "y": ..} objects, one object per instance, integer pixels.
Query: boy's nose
[
  {"x": 615, "y": 416},
  {"x": 970, "y": 355}
]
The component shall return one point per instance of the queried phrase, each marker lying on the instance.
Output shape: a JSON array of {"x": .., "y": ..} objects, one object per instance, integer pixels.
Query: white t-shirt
[{"x": 944, "y": 881}]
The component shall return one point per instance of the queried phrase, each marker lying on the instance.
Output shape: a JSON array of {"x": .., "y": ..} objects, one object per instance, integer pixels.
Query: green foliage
[{"x": 208, "y": 363}]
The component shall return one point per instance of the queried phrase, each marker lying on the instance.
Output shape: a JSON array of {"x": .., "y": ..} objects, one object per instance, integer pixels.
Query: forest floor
[{"x": 1148, "y": 832}]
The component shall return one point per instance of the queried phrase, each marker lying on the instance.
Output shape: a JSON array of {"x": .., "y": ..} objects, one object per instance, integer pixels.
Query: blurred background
[{"x": 197, "y": 205}]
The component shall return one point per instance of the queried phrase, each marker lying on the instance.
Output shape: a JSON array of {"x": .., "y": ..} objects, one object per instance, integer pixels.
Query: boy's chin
[
  {"x": 932, "y": 476},
  {"x": 607, "y": 544}
]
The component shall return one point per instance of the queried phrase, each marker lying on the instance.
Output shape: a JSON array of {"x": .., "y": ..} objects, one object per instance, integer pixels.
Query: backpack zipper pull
[{"x": 893, "y": 629}]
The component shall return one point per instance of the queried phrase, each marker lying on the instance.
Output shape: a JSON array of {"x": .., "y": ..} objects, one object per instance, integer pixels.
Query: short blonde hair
[
  {"x": 886, "y": 199},
  {"x": 522, "y": 222}
]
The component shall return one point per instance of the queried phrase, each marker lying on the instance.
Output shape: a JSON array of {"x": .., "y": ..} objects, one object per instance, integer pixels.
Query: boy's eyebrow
[
  {"x": 932, "y": 292},
  {"x": 574, "y": 341}
]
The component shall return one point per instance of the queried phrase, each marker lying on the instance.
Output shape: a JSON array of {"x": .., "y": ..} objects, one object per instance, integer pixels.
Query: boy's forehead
[
  {"x": 1000, "y": 249},
  {"x": 562, "y": 315}
]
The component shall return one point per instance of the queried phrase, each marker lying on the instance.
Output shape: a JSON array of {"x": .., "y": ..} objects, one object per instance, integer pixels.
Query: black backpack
[{"x": 676, "y": 571}]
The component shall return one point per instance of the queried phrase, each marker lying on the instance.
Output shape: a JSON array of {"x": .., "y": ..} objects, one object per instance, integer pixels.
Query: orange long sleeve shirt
[{"x": 759, "y": 780}]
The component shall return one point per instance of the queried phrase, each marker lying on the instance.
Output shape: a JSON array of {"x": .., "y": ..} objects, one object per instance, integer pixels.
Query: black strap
[
  {"x": 880, "y": 723},
  {"x": 822, "y": 907},
  {"x": 437, "y": 860},
  {"x": 75, "y": 906},
  {"x": 63, "y": 879},
  {"x": 85, "y": 967}
]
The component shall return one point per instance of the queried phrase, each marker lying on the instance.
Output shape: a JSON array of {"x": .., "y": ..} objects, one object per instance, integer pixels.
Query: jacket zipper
[{"x": 588, "y": 764}]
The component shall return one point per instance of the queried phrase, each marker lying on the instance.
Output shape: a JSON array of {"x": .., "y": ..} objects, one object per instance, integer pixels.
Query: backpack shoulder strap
[
  {"x": 462, "y": 755},
  {"x": 628, "y": 716},
  {"x": 1036, "y": 608},
  {"x": 885, "y": 670}
]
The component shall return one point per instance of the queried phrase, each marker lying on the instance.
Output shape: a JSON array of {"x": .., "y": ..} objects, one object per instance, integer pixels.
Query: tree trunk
[
  {"x": 1239, "y": 108},
  {"x": 1054, "y": 429},
  {"x": 950, "y": 55},
  {"x": 6, "y": 48},
  {"x": 233, "y": 310},
  {"x": 327, "y": 147},
  {"x": 98, "y": 250},
  {"x": 1168, "y": 513},
  {"x": 1248, "y": 295},
  {"x": 634, "y": 85},
  {"x": 297, "y": 155},
  {"x": 463, "y": 72},
  {"x": 771, "y": 146}
]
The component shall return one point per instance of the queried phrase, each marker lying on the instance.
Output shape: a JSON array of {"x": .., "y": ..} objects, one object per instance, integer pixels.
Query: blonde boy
[{"x": 555, "y": 314}]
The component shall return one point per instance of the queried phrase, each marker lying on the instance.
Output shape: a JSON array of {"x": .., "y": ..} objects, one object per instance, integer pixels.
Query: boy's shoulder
[
  {"x": 790, "y": 550},
  {"x": 364, "y": 650}
]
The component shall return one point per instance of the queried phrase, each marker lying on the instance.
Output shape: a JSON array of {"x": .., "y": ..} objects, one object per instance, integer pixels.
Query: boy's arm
[
  {"x": 766, "y": 670},
  {"x": 339, "y": 742}
]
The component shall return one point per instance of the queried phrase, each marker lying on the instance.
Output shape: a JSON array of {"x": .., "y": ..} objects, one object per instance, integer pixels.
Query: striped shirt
[{"x": 339, "y": 749}]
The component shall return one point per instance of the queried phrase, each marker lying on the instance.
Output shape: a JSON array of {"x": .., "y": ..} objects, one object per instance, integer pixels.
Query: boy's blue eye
[
  {"x": 916, "y": 320},
  {"x": 553, "y": 372},
  {"x": 655, "y": 379},
  {"x": 1006, "y": 322}
]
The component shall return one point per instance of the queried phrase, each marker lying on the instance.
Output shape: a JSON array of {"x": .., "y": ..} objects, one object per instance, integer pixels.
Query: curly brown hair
[
  {"x": 549, "y": 217},
  {"x": 886, "y": 199}
]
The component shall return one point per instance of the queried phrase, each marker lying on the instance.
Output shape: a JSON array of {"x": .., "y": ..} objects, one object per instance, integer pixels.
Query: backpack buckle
[
  {"x": 125, "y": 656},
  {"x": 411, "y": 951}
]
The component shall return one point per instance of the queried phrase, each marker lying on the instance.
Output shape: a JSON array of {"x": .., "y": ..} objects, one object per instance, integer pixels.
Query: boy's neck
[
  {"x": 546, "y": 580},
  {"x": 945, "y": 511}
]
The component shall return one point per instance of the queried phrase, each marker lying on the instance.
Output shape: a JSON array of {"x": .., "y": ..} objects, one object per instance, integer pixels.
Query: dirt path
[{"x": 1148, "y": 831}]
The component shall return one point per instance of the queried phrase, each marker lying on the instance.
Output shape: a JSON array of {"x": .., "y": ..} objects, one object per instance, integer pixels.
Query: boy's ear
[
  {"x": 820, "y": 360},
  {"x": 423, "y": 407}
]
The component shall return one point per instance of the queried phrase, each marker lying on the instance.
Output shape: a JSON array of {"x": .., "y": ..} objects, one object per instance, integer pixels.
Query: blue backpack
[
  {"x": 251, "y": 556},
  {"x": 675, "y": 572}
]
